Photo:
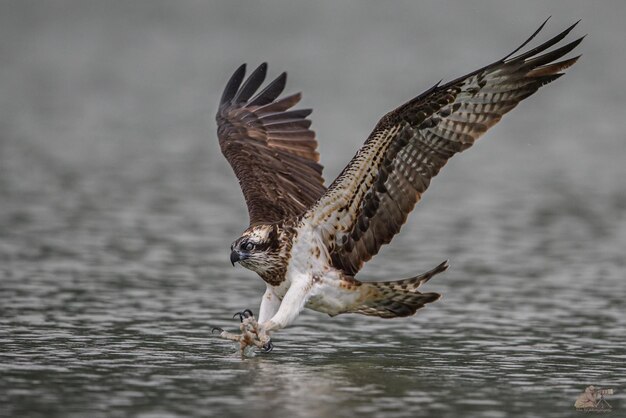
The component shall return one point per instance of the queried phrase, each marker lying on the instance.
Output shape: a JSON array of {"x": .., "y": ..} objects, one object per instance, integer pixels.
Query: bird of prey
[{"x": 308, "y": 242}]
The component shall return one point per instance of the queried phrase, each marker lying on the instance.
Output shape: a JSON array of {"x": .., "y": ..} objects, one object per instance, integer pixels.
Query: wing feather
[
  {"x": 287, "y": 116},
  {"x": 233, "y": 84},
  {"x": 270, "y": 92},
  {"x": 270, "y": 148},
  {"x": 280, "y": 105},
  {"x": 370, "y": 200}
]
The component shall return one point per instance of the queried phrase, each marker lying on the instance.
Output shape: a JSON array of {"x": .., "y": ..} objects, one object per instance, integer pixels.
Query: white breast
[{"x": 310, "y": 261}]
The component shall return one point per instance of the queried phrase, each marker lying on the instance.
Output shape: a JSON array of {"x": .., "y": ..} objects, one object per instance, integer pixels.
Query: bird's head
[{"x": 258, "y": 248}]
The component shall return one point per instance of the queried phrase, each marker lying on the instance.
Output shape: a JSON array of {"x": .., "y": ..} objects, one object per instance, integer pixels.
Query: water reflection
[{"x": 117, "y": 210}]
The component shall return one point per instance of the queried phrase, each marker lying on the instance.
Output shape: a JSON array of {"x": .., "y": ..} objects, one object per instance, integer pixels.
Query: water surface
[{"x": 117, "y": 212}]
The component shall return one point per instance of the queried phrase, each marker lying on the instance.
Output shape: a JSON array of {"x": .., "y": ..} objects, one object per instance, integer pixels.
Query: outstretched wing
[
  {"x": 270, "y": 148},
  {"x": 370, "y": 200}
]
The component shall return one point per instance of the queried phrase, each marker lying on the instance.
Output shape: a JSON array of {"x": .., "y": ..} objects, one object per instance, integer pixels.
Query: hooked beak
[{"x": 234, "y": 257}]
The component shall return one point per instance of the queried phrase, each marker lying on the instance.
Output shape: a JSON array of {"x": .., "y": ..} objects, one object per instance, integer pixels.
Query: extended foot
[
  {"x": 267, "y": 347},
  {"x": 252, "y": 333},
  {"x": 246, "y": 313}
]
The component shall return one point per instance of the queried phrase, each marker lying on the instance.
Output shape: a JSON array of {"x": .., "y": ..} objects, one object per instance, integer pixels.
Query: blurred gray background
[{"x": 117, "y": 211}]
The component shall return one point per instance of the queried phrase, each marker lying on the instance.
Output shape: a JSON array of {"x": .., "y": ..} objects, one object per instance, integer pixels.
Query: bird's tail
[{"x": 397, "y": 298}]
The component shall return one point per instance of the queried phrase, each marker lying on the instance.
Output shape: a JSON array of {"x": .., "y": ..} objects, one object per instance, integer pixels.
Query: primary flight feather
[{"x": 308, "y": 242}]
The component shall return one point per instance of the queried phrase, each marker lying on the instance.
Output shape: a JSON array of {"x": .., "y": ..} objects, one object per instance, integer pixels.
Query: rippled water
[{"x": 117, "y": 212}]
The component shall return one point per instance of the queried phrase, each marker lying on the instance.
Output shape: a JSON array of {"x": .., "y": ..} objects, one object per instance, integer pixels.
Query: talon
[
  {"x": 218, "y": 329},
  {"x": 247, "y": 313},
  {"x": 267, "y": 347}
]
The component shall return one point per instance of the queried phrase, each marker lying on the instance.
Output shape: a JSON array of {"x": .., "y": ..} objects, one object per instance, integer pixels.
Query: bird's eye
[{"x": 249, "y": 246}]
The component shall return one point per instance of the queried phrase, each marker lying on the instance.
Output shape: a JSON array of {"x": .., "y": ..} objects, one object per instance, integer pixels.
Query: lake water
[{"x": 117, "y": 212}]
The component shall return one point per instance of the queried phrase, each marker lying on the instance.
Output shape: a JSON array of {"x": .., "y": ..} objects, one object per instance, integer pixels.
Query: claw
[
  {"x": 267, "y": 347},
  {"x": 246, "y": 313},
  {"x": 252, "y": 333}
]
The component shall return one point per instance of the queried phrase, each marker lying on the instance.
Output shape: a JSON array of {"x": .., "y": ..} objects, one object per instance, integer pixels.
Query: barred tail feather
[{"x": 398, "y": 298}]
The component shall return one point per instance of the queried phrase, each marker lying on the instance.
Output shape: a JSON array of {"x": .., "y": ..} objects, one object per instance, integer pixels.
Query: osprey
[{"x": 308, "y": 242}]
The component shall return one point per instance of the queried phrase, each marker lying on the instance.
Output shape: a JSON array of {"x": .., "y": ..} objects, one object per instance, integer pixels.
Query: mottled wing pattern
[
  {"x": 270, "y": 148},
  {"x": 370, "y": 200}
]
